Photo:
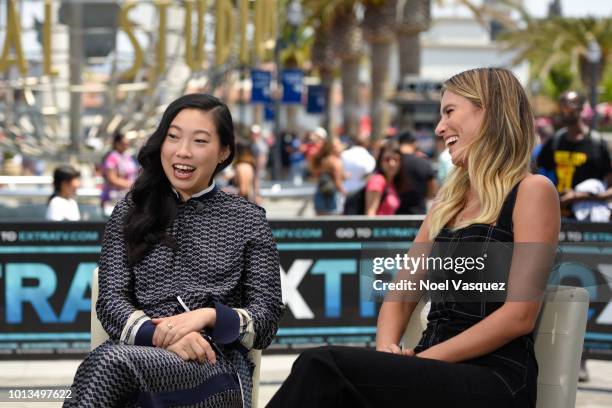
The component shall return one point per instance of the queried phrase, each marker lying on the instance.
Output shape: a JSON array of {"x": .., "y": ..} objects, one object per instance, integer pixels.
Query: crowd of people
[
  {"x": 369, "y": 176},
  {"x": 393, "y": 176}
]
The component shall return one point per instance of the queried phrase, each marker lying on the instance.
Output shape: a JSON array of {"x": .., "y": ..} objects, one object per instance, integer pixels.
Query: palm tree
[
  {"x": 552, "y": 45},
  {"x": 414, "y": 17},
  {"x": 557, "y": 41},
  {"x": 323, "y": 58},
  {"x": 338, "y": 19},
  {"x": 378, "y": 27},
  {"x": 347, "y": 43}
]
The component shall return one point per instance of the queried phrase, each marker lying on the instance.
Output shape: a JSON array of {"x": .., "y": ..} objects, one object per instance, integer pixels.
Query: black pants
[{"x": 351, "y": 377}]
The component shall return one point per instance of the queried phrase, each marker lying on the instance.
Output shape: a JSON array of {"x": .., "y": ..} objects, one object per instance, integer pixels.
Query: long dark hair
[
  {"x": 400, "y": 181},
  {"x": 61, "y": 174},
  {"x": 154, "y": 201}
]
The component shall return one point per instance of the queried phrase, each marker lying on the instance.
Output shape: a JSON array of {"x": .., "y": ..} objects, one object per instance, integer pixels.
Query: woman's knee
[
  {"x": 316, "y": 359},
  {"x": 109, "y": 359}
]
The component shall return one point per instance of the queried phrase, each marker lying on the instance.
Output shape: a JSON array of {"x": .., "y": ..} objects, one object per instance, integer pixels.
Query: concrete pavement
[{"x": 597, "y": 393}]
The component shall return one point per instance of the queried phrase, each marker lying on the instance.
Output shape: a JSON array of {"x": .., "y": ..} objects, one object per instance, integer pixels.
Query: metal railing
[{"x": 15, "y": 186}]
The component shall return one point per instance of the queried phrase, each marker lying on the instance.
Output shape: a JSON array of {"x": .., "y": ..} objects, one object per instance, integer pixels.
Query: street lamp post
[
  {"x": 75, "y": 36},
  {"x": 594, "y": 57},
  {"x": 294, "y": 19}
]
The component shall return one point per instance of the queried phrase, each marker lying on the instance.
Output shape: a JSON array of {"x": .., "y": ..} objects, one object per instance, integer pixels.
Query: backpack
[{"x": 355, "y": 202}]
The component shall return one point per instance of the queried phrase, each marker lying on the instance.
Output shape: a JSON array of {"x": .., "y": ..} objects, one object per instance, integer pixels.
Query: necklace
[{"x": 463, "y": 210}]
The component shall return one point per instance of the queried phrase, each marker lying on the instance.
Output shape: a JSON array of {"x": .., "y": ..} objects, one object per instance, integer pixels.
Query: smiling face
[
  {"x": 191, "y": 151},
  {"x": 459, "y": 125}
]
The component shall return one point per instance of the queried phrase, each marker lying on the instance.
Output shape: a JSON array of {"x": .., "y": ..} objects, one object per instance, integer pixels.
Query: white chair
[
  {"x": 559, "y": 337},
  {"x": 99, "y": 336}
]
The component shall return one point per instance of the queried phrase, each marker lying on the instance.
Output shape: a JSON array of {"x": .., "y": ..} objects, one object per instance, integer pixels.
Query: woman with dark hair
[
  {"x": 189, "y": 276},
  {"x": 381, "y": 192},
  {"x": 119, "y": 170},
  {"x": 62, "y": 206}
]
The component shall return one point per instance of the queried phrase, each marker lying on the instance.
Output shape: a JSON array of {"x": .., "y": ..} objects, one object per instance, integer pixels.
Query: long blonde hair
[{"x": 500, "y": 154}]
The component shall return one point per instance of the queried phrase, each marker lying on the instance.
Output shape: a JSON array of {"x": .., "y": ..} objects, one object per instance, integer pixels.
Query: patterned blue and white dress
[{"x": 224, "y": 256}]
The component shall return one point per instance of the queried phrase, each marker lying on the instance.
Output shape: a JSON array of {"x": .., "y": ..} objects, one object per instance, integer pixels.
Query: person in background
[
  {"x": 358, "y": 165},
  {"x": 544, "y": 131},
  {"x": 326, "y": 166},
  {"x": 381, "y": 197},
  {"x": 119, "y": 170},
  {"x": 577, "y": 154},
  {"x": 297, "y": 159},
  {"x": 421, "y": 183},
  {"x": 316, "y": 139},
  {"x": 577, "y": 160},
  {"x": 245, "y": 180},
  {"x": 260, "y": 149},
  {"x": 61, "y": 205},
  {"x": 445, "y": 162}
]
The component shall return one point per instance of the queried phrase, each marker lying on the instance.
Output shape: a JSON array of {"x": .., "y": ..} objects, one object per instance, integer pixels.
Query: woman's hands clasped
[
  {"x": 395, "y": 349},
  {"x": 193, "y": 346},
  {"x": 172, "y": 328},
  {"x": 181, "y": 334}
]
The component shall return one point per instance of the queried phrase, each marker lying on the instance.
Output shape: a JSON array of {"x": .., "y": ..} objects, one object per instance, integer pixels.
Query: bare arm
[
  {"x": 116, "y": 181},
  {"x": 395, "y": 314},
  {"x": 607, "y": 195},
  {"x": 244, "y": 178},
  {"x": 536, "y": 219},
  {"x": 372, "y": 201},
  {"x": 432, "y": 188},
  {"x": 338, "y": 172}
]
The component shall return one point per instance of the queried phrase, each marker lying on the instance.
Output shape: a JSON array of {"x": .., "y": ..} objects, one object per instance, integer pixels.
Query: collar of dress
[{"x": 200, "y": 196}]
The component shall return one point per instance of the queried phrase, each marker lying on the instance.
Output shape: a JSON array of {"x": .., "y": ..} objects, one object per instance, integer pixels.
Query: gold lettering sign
[
  {"x": 48, "y": 67},
  {"x": 13, "y": 39},
  {"x": 162, "y": 7},
  {"x": 265, "y": 28},
  {"x": 244, "y": 19},
  {"x": 128, "y": 27},
  {"x": 224, "y": 31},
  {"x": 263, "y": 42},
  {"x": 194, "y": 62}
]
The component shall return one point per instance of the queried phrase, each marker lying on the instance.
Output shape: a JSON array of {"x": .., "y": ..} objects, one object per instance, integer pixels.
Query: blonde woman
[{"x": 472, "y": 354}]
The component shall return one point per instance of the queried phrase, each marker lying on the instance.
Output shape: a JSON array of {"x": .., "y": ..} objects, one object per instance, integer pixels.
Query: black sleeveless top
[{"x": 514, "y": 363}]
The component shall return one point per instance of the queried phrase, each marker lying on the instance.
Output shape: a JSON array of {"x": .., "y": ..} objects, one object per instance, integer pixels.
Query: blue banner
[
  {"x": 45, "y": 279},
  {"x": 269, "y": 111},
  {"x": 316, "y": 99},
  {"x": 261, "y": 80},
  {"x": 292, "y": 80}
]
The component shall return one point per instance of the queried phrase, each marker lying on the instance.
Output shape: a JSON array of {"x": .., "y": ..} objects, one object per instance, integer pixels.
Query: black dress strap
[{"x": 504, "y": 220}]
